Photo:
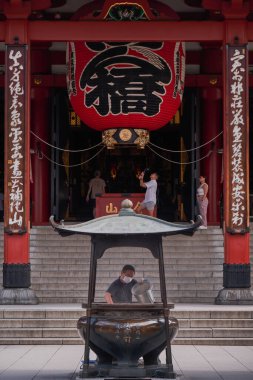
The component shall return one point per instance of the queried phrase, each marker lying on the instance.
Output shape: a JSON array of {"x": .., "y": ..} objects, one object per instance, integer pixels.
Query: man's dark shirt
[{"x": 121, "y": 292}]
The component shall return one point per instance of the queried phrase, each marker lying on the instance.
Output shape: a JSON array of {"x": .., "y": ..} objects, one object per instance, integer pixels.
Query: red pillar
[
  {"x": 211, "y": 109},
  {"x": 40, "y": 116},
  {"x": 16, "y": 267},
  {"x": 236, "y": 267}
]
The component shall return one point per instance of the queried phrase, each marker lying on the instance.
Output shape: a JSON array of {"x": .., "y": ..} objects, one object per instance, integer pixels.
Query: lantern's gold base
[{"x": 113, "y": 138}]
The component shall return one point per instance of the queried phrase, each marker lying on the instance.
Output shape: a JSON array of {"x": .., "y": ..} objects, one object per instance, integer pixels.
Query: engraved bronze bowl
[{"x": 122, "y": 338}]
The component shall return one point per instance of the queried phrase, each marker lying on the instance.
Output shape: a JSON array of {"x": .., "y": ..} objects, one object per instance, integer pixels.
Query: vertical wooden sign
[
  {"x": 15, "y": 123},
  {"x": 237, "y": 139}
]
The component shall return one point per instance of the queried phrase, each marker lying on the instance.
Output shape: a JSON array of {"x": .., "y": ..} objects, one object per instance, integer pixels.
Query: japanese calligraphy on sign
[
  {"x": 15, "y": 138},
  {"x": 120, "y": 82},
  {"x": 126, "y": 84},
  {"x": 108, "y": 204},
  {"x": 237, "y": 138}
]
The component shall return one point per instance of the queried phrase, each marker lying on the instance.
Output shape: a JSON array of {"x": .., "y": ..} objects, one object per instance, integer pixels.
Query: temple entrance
[{"x": 83, "y": 154}]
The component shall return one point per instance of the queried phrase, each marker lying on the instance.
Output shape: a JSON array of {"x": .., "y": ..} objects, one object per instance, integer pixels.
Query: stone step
[
  {"x": 71, "y": 323},
  {"x": 176, "y": 273},
  {"x": 38, "y": 323},
  {"x": 68, "y": 274},
  {"x": 79, "y": 246},
  {"x": 169, "y": 257},
  {"x": 46, "y": 313},
  {"x": 172, "y": 281},
  {"x": 101, "y": 288},
  {"x": 58, "y": 241},
  {"x": 193, "y": 274},
  {"x": 215, "y": 333},
  {"x": 177, "y": 341},
  {"x": 40, "y": 312},
  {"x": 169, "y": 261},
  {"x": 171, "y": 293},
  {"x": 68, "y": 335},
  {"x": 170, "y": 269},
  {"x": 49, "y": 235},
  {"x": 214, "y": 341},
  {"x": 215, "y": 323},
  {"x": 179, "y": 258},
  {"x": 192, "y": 300},
  {"x": 80, "y": 300},
  {"x": 55, "y": 332},
  {"x": 212, "y": 314},
  {"x": 40, "y": 341}
]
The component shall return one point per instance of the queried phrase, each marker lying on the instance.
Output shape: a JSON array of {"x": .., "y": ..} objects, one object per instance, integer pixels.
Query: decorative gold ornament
[
  {"x": 107, "y": 138},
  {"x": 37, "y": 81},
  {"x": 125, "y": 135},
  {"x": 142, "y": 139},
  {"x": 120, "y": 137},
  {"x": 213, "y": 81}
]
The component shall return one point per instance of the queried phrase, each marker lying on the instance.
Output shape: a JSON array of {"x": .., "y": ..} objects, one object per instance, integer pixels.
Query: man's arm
[
  {"x": 108, "y": 298},
  {"x": 142, "y": 184}
]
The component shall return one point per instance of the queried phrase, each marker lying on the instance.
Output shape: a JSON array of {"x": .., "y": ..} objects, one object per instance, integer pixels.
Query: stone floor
[{"x": 63, "y": 362}]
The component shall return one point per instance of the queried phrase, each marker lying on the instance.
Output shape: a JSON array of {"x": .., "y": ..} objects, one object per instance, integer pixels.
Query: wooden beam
[
  {"x": 59, "y": 80},
  {"x": 55, "y": 81},
  {"x": 125, "y": 31}
]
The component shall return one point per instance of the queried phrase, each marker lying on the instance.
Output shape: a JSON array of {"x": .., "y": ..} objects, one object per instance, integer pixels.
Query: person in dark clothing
[{"x": 120, "y": 290}]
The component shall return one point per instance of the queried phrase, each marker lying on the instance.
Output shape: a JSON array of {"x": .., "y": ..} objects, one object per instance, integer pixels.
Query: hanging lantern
[
  {"x": 74, "y": 119},
  {"x": 125, "y": 89},
  {"x": 113, "y": 171},
  {"x": 137, "y": 171}
]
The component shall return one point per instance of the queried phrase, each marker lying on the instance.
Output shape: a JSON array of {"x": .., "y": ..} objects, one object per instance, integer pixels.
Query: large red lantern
[{"x": 123, "y": 88}]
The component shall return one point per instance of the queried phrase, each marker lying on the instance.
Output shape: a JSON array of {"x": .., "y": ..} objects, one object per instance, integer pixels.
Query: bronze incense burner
[{"x": 120, "y": 334}]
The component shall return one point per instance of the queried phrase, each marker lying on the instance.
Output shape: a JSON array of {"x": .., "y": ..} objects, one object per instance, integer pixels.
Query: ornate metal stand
[{"x": 121, "y": 333}]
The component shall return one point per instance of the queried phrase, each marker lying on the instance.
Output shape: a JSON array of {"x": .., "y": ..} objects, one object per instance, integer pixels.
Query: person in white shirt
[
  {"x": 202, "y": 201},
  {"x": 96, "y": 187},
  {"x": 150, "y": 195}
]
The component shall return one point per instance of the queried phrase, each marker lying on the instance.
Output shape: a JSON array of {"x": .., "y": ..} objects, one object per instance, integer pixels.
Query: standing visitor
[
  {"x": 202, "y": 201},
  {"x": 96, "y": 187},
  {"x": 150, "y": 195}
]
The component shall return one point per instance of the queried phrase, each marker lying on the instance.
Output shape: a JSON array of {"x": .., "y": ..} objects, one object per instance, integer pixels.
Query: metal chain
[
  {"x": 177, "y": 162},
  {"x": 72, "y": 166},
  {"x": 65, "y": 150},
  {"x": 187, "y": 150}
]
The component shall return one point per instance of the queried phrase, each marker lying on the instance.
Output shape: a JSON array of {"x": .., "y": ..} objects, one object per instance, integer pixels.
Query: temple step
[
  {"x": 56, "y": 324},
  {"x": 40, "y": 341},
  {"x": 60, "y": 266},
  {"x": 215, "y": 342}
]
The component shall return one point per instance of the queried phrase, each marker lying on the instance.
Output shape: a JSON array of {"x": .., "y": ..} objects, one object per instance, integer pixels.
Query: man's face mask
[{"x": 127, "y": 279}]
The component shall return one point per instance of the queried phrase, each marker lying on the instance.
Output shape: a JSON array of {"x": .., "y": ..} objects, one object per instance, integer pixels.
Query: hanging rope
[
  {"x": 187, "y": 150},
  {"x": 75, "y": 165},
  {"x": 180, "y": 163},
  {"x": 65, "y": 150}
]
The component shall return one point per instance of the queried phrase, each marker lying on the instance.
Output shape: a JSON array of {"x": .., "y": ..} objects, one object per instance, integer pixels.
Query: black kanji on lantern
[{"x": 118, "y": 82}]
